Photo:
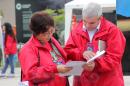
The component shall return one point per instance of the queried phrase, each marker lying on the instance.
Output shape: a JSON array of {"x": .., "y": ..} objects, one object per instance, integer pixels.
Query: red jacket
[
  {"x": 108, "y": 69},
  {"x": 10, "y": 45},
  {"x": 47, "y": 70}
]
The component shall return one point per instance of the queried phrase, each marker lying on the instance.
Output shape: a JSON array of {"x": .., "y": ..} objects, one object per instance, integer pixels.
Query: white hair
[{"x": 92, "y": 10}]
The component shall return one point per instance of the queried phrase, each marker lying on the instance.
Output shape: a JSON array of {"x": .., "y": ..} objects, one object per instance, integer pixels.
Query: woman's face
[{"x": 45, "y": 37}]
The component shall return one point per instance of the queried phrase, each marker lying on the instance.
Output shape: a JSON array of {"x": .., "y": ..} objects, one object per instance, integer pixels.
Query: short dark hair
[
  {"x": 40, "y": 22},
  {"x": 8, "y": 30}
]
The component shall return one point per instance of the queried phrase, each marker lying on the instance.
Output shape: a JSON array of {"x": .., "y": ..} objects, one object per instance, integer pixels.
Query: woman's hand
[{"x": 63, "y": 69}]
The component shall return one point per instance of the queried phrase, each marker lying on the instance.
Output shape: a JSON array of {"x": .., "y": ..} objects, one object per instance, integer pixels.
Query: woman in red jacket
[
  {"x": 42, "y": 58},
  {"x": 9, "y": 49}
]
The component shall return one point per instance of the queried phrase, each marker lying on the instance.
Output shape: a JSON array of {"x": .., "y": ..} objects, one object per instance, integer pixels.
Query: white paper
[
  {"x": 77, "y": 68},
  {"x": 23, "y": 83},
  {"x": 98, "y": 55}
]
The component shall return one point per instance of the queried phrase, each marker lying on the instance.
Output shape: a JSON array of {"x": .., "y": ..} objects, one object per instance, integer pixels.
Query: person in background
[
  {"x": 55, "y": 35},
  {"x": 9, "y": 49},
  {"x": 42, "y": 58},
  {"x": 93, "y": 34}
]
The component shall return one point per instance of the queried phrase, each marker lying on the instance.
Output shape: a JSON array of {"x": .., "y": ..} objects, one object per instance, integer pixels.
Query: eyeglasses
[{"x": 49, "y": 32}]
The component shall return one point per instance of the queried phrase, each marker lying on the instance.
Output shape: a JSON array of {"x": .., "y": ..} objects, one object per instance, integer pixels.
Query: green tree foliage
[{"x": 58, "y": 15}]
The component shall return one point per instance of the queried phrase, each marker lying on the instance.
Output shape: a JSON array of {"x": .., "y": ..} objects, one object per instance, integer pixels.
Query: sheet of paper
[
  {"x": 77, "y": 68},
  {"x": 78, "y": 65},
  {"x": 98, "y": 55}
]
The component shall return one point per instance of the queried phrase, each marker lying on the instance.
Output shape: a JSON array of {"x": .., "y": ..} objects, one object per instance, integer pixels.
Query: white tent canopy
[{"x": 107, "y": 6}]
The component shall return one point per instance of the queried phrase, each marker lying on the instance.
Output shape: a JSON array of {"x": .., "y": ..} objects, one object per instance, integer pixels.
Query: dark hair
[
  {"x": 40, "y": 22},
  {"x": 8, "y": 30}
]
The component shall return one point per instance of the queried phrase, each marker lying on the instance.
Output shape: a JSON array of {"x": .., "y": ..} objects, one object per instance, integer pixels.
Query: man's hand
[
  {"x": 63, "y": 69},
  {"x": 89, "y": 66},
  {"x": 88, "y": 54}
]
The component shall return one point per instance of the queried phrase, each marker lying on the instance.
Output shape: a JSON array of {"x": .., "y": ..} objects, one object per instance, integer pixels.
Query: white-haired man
[{"x": 83, "y": 44}]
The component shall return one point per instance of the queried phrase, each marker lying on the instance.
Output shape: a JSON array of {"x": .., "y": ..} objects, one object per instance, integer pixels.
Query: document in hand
[
  {"x": 77, "y": 68},
  {"x": 98, "y": 55}
]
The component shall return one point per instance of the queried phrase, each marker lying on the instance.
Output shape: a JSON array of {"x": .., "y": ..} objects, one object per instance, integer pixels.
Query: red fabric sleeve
[
  {"x": 114, "y": 51},
  {"x": 28, "y": 59},
  {"x": 73, "y": 50}
]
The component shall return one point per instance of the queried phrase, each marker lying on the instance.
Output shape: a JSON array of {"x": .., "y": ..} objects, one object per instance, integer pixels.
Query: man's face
[{"x": 91, "y": 23}]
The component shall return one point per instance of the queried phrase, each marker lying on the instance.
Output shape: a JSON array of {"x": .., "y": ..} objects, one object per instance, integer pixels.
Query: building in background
[{"x": 8, "y": 9}]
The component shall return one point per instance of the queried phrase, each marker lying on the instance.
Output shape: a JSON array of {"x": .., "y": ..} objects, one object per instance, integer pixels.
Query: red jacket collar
[{"x": 36, "y": 43}]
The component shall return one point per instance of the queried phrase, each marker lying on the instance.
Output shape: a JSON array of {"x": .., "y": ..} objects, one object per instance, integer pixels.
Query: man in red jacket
[{"x": 93, "y": 34}]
